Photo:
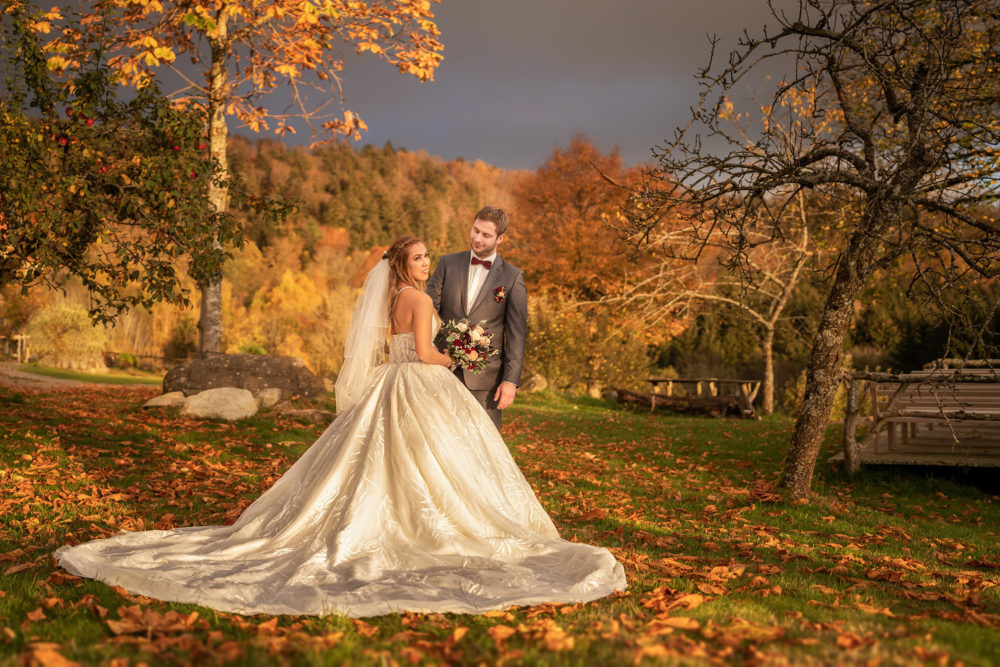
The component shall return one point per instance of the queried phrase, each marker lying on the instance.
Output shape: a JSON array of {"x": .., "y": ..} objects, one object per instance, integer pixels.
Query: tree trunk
[
  {"x": 821, "y": 385},
  {"x": 822, "y": 374},
  {"x": 210, "y": 320},
  {"x": 767, "y": 386}
]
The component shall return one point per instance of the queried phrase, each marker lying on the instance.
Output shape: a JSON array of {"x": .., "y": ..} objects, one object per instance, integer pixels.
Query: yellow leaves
[
  {"x": 310, "y": 13},
  {"x": 57, "y": 63},
  {"x": 164, "y": 53},
  {"x": 288, "y": 70},
  {"x": 726, "y": 109}
]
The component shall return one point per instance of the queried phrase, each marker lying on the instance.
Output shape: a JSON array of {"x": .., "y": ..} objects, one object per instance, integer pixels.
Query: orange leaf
[
  {"x": 48, "y": 655},
  {"x": 501, "y": 632},
  {"x": 680, "y": 622},
  {"x": 20, "y": 567}
]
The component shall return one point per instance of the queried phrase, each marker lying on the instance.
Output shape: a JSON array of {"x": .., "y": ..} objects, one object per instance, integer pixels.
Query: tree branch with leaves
[
  {"x": 239, "y": 51},
  {"x": 904, "y": 128}
]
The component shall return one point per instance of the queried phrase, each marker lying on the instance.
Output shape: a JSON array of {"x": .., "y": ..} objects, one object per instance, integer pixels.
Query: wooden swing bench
[{"x": 938, "y": 417}]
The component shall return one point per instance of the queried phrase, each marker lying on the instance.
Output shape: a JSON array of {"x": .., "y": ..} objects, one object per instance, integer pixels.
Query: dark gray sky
[{"x": 519, "y": 77}]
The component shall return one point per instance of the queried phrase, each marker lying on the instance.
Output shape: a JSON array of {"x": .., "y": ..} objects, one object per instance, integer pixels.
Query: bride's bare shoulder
[
  {"x": 412, "y": 294},
  {"x": 411, "y": 297}
]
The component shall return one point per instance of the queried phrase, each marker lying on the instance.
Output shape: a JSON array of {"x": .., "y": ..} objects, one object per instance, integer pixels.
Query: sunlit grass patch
[{"x": 110, "y": 377}]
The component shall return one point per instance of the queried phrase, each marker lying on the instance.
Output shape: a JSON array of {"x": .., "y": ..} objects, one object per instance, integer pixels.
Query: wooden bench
[
  {"x": 744, "y": 390},
  {"x": 932, "y": 417}
]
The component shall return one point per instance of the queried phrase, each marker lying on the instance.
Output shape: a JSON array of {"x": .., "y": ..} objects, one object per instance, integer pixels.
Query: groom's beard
[{"x": 485, "y": 252}]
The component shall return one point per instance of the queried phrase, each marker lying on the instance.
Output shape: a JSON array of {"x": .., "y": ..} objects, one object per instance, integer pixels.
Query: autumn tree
[
  {"x": 563, "y": 236},
  {"x": 695, "y": 273},
  {"x": 109, "y": 192},
  {"x": 238, "y": 52},
  {"x": 912, "y": 89},
  {"x": 563, "y": 211}
]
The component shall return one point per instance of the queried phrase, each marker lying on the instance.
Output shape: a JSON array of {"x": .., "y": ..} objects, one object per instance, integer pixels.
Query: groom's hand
[{"x": 505, "y": 395}]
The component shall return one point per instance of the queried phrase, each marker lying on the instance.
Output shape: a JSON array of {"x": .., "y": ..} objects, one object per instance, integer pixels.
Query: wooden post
[
  {"x": 670, "y": 387},
  {"x": 851, "y": 462},
  {"x": 713, "y": 389},
  {"x": 873, "y": 390}
]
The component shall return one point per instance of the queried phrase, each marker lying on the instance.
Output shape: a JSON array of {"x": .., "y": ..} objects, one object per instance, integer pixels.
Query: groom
[{"x": 479, "y": 285}]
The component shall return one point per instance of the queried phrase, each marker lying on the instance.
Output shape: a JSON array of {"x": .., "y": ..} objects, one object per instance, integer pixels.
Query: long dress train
[{"x": 409, "y": 500}]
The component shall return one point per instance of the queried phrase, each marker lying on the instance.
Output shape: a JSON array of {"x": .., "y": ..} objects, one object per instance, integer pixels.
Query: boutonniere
[{"x": 499, "y": 294}]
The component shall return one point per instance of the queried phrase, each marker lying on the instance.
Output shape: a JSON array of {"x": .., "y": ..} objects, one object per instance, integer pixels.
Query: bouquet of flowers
[{"x": 469, "y": 344}]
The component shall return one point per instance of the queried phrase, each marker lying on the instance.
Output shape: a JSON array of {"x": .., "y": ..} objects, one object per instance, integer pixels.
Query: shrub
[
  {"x": 582, "y": 349},
  {"x": 63, "y": 336}
]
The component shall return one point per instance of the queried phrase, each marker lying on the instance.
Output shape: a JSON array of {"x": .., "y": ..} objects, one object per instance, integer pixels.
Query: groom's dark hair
[{"x": 496, "y": 215}]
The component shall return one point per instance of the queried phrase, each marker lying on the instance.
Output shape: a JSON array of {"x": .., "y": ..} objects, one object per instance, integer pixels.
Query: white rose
[
  {"x": 462, "y": 326},
  {"x": 475, "y": 336}
]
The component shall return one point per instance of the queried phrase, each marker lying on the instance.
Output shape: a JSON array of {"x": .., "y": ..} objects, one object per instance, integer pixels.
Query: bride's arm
[{"x": 422, "y": 326}]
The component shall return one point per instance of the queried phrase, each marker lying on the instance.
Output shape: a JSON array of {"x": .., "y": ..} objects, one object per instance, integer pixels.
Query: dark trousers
[{"x": 485, "y": 399}]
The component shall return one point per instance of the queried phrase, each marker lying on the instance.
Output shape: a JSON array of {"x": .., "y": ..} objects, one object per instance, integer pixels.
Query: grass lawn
[
  {"x": 98, "y": 378},
  {"x": 897, "y": 566}
]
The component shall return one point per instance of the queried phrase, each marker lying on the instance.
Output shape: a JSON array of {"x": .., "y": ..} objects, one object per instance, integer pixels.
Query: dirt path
[{"x": 12, "y": 376}]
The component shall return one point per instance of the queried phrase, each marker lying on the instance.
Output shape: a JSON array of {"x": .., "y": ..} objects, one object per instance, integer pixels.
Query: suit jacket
[{"x": 507, "y": 319}]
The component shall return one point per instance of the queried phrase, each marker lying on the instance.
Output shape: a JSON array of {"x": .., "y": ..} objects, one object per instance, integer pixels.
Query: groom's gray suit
[{"x": 506, "y": 318}]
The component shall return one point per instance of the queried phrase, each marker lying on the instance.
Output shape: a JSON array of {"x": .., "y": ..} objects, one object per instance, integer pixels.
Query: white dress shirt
[{"x": 477, "y": 276}]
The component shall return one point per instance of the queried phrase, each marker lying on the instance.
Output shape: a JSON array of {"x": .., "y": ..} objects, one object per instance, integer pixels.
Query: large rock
[
  {"x": 227, "y": 403},
  {"x": 174, "y": 399},
  {"x": 252, "y": 372},
  {"x": 268, "y": 398}
]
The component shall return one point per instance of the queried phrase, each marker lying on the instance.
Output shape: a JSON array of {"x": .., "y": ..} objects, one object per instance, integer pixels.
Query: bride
[{"x": 408, "y": 501}]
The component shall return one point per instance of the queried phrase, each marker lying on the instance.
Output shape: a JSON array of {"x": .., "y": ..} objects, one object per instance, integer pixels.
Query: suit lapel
[
  {"x": 463, "y": 283},
  {"x": 492, "y": 280}
]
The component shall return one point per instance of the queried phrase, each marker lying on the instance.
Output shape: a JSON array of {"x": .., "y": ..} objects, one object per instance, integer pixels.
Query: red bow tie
[{"x": 487, "y": 264}]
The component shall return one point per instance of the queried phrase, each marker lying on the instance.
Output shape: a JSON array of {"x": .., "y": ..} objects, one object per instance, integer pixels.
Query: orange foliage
[
  {"x": 255, "y": 46},
  {"x": 566, "y": 211}
]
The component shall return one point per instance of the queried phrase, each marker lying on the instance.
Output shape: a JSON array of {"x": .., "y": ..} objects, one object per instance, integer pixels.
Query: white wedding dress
[{"x": 410, "y": 500}]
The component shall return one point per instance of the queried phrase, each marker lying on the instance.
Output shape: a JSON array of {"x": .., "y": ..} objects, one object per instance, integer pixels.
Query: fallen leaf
[
  {"x": 20, "y": 567},
  {"x": 48, "y": 655}
]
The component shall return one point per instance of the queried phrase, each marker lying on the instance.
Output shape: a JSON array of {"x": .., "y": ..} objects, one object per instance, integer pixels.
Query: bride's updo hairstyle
[{"x": 397, "y": 255}]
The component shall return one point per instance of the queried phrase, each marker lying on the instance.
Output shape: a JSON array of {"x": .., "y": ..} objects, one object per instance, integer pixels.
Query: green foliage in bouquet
[{"x": 469, "y": 345}]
